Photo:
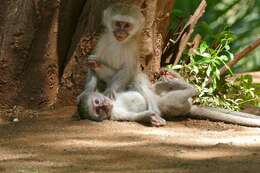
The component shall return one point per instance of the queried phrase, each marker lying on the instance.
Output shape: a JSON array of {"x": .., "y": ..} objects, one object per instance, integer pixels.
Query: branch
[
  {"x": 195, "y": 44},
  {"x": 185, "y": 36},
  {"x": 241, "y": 55}
]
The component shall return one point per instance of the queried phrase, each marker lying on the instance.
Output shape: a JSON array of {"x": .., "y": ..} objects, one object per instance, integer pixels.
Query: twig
[
  {"x": 190, "y": 25},
  {"x": 171, "y": 43},
  {"x": 196, "y": 43},
  {"x": 240, "y": 55}
]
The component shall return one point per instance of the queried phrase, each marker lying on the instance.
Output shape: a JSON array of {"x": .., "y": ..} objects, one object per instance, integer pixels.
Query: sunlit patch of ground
[{"x": 56, "y": 144}]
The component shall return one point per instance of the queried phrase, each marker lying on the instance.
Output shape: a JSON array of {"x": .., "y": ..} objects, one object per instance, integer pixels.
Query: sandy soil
[{"x": 53, "y": 143}]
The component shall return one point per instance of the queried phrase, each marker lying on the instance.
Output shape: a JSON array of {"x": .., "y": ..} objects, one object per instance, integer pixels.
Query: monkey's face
[
  {"x": 121, "y": 30},
  {"x": 100, "y": 107},
  {"x": 123, "y": 21}
]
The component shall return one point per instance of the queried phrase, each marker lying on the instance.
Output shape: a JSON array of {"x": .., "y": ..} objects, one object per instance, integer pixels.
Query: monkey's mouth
[
  {"x": 103, "y": 113},
  {"x": 120, "y": 36}
]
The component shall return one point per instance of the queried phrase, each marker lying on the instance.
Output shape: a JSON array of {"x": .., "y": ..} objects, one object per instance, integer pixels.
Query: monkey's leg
[
  {"x": 175, "y": 103},
  {"x": 174, "y": 97},
  {"x": 212, "y": 114},
  {"x": 144, "y": 87},
  {"x": 90, "y": 86},
  {"x": 173, "y": 85}
]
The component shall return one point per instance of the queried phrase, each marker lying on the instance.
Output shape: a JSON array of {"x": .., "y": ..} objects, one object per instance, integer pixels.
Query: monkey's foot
[{"x": 157, "y": 121}]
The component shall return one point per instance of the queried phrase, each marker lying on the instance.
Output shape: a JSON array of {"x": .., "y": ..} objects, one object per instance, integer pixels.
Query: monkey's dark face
[
  {"x": 101, "y": 107},
  {"x": 121, "y": 30}
]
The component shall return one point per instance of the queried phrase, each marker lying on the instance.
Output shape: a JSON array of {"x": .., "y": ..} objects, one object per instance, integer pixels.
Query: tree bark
[
  {"x": 28, "y": 52},
  {"x": 157, "y": 14},
  {"x": 43, "y": 45}
]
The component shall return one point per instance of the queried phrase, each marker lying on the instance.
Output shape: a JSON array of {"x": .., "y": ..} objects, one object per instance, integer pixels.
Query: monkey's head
[
  {"x": 123, "y": 21},
  {"x": 98, "y": 107}
]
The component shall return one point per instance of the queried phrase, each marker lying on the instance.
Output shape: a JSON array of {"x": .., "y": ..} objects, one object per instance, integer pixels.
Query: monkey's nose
[{"x": 120, "y": 36}]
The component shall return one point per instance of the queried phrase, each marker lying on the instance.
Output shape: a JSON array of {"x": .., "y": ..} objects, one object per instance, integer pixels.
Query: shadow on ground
[{"x": 56, "y": 144}]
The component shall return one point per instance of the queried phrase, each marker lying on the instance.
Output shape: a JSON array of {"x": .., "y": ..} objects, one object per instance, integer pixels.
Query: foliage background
[{"x": 243, "y": 18}]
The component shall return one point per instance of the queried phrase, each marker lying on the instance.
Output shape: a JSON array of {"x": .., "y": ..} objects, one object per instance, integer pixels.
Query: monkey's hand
[
  {"x": 156, "y": 120},
  {"x": 110, "y": 93},
  {"x": 92, "y": 62}
]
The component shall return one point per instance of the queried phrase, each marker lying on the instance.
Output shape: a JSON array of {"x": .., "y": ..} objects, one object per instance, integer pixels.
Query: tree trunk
[
  {"x": 43, "y": 45},
  {"x": 157, "y": 14},
  {"x": 28, "y": 52}
]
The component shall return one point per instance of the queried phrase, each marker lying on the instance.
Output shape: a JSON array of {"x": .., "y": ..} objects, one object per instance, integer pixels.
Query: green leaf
[
  {"x": 217, "y": 73},
  {"x": 224, "y": 58},
  {"x": 209, "y": 71},
  {"x": 231, "y": 55},
  {"x": 196, "y": 69},
  {"x": 202, "y": 60},
  {"x": 203, "y": 47},
  {"x": 227, "y": 47},
  {"x": 206, "y": 55},
  {"x": 177, "y": 67},
  {"x": 178, "y": 13},
  {"x": 169, "y": 67}
]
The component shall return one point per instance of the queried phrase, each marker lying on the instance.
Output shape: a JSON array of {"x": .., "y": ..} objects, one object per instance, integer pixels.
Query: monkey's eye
[
  {"x": 127, "y": 25},
  {"x": 118, "y": 24},
  {"x": 96, "y": 101}
]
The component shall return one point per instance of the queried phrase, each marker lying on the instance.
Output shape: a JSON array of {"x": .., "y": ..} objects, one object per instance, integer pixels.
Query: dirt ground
[{"x": 53, "y": 143}]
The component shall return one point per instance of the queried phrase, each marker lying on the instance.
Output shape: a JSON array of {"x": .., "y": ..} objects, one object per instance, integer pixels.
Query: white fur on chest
[
  {"x": 115, "y": 54},
  {"x": 131, "y": 101}
]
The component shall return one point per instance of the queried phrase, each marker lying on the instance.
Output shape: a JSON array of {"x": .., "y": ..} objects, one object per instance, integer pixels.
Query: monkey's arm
[
  {"x": 105, "y": 72},
  {"x": 120, "y": 79},
  {"x": 145, "y": 116},
  {"x": 90, "y": 86},
  {"x": 123, "y": 115},
  {"x": 91, "y": 82}
]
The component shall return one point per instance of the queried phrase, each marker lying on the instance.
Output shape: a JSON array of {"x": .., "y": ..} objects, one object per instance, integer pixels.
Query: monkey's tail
[{"x": 224, "y": 115}]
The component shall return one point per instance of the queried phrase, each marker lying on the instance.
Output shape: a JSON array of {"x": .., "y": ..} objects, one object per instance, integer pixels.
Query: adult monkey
[
  {"x": 173, "y": 98},
  {"x": 115, "y": 56}
]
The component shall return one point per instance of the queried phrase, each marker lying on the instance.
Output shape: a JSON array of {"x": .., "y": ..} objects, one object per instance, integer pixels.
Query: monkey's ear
[
  {"x": 139, "y": 24},
  {"x": 142, "y": 21},
  {"x": 107, "y": 18}
]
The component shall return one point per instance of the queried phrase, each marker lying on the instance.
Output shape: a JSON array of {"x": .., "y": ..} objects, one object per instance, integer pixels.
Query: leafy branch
[{"x": 203, "y": 71}]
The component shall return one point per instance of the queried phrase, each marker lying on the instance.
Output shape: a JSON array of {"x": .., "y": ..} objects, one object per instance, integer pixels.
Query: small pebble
[{"x": 15, "y": 120}]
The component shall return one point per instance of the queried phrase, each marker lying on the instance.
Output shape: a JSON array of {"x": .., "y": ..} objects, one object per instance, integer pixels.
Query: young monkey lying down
[
  {"x": 128, "y": 106},
  {"x": 174, "y": 98}
]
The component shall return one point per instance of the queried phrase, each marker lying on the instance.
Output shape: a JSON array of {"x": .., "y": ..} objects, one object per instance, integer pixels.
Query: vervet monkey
[
  {"x": 173, "y": 98},
  {"x": 115, "y": 57},
  {"x": 128, "y": 106}
]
